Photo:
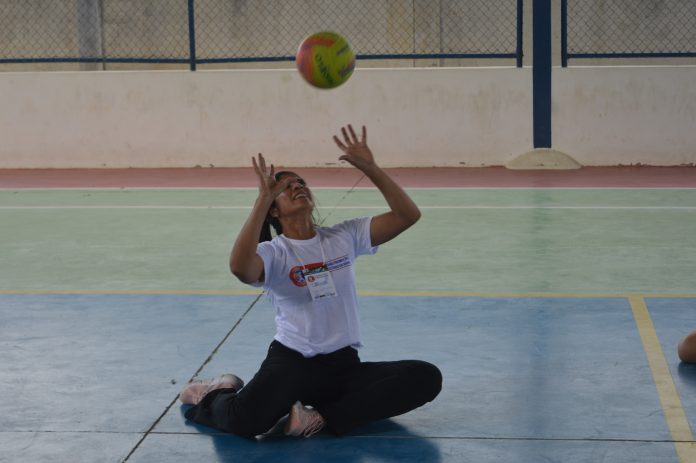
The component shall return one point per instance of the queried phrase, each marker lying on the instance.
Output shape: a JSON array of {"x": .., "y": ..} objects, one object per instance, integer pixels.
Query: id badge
[{"x": 321, "y": 285}]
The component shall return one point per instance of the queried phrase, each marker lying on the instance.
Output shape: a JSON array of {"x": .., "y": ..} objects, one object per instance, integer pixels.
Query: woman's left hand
[{"x": 355, "y": 150}]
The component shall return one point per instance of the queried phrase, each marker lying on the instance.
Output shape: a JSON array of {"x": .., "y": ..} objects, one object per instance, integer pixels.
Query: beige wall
[
  {"x": 625, "y": 115},
  {"x": 417, "y": 117}
]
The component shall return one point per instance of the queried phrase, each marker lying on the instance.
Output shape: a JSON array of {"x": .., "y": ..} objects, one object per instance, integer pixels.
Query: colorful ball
[{"x": 325, "y": 60}]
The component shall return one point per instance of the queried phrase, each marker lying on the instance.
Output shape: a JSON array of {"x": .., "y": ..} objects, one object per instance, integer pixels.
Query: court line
[
  {"x": 43, "y": 207},
  {"x": 673, "y": 410},
  {"x": 207, "y": 433},
  {"x": 205, "y": 362},
  {"x": 521, "y": 295},
  {"x": 430, "y": 188},
  {"x": 251, "y": 292},
  {"x": 137, "y": 292}
]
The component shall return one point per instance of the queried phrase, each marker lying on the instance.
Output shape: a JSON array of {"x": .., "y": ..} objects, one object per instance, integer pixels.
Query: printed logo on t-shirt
[{"x": 298, "y": 279}]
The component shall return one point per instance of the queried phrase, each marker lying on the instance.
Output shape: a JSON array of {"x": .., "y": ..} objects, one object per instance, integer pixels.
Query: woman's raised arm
[
  {"x": 245, "y": 263},
  {"x": 404, "y": 211}
]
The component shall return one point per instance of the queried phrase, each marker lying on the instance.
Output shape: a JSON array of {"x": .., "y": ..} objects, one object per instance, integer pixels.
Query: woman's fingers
[
  {"x": 338, "y": 143},
  {"x": 262, "y": 162},
  {"x": 354, "y": 138},
  {"x": 350, "y": 137},
  {"x": 257, "y": 169},
  {"x": 282, "y": 184},
  {"x": 266, "y": 180}
]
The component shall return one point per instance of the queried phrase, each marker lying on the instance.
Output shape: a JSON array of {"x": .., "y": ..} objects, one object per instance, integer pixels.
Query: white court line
[
  {"x": 340, "y": 188},
  {"x": 676, "y": 208}
]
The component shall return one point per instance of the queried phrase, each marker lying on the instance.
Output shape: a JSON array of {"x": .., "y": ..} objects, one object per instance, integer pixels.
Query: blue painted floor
[
  {"x": 673, "y": 319},
  {"x": 94, "y": 378}
]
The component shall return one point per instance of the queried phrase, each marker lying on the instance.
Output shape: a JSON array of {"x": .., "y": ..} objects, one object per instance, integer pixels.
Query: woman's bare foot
[{"x": 194, "y": 391}]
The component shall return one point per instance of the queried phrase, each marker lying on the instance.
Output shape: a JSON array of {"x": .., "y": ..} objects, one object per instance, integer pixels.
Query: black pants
[{"x": 346, "y": 392}]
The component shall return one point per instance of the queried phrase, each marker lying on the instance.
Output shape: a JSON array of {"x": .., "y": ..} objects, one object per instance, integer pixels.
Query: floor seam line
[{"x": 203, "y": 365}]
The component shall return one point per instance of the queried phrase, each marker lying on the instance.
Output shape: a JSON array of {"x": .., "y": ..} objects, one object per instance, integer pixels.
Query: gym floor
[{"x": 552, "y": 302}]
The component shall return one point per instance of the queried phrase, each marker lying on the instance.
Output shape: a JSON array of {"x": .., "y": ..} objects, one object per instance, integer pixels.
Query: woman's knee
[
  {"x": 428, "y": 378},
  {"x": 225, "y": 411},
  {"x": 251, "y": 425}
]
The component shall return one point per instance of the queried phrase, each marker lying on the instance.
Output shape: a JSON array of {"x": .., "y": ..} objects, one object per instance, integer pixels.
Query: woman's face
[{"x": 296, "y": 197}]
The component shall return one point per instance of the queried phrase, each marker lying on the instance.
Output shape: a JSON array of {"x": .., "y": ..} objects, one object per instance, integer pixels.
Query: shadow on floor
[{"x": 381, "y": 442}]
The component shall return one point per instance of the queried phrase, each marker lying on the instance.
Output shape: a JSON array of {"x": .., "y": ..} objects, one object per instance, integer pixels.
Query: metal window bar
[
  {"x": 183, "y": 22},
  {"x": 635, "y": 29}
]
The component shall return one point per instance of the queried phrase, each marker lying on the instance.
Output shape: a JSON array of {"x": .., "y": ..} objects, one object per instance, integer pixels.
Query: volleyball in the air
[{"x": 325, "y": 60}]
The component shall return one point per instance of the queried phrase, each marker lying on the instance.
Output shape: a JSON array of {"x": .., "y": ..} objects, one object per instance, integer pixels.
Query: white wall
[
  {"x": 416, "y": 117},
  {"x": 625, "y": 115}
]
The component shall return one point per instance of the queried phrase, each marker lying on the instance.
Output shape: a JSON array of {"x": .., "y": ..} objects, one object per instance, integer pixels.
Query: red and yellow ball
[{"x": 325, "y": 60}]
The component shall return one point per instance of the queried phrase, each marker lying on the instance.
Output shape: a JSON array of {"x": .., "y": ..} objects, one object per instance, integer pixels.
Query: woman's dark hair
[
  {"x": 272, "y": 221},
  {"x": 266, "y": 228}
]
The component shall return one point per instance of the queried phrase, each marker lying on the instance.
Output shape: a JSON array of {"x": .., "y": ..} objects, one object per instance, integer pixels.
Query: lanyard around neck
[{"x": 292, "y": 249}]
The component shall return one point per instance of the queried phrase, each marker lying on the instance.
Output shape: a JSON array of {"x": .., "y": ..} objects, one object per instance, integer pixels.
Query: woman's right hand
[
  {"x": 245, "y": 263},
  {"x": 268, "y": 185}
]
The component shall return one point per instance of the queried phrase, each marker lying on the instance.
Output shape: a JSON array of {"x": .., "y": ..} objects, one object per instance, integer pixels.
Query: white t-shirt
[{"x": 328, "y": 324}]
